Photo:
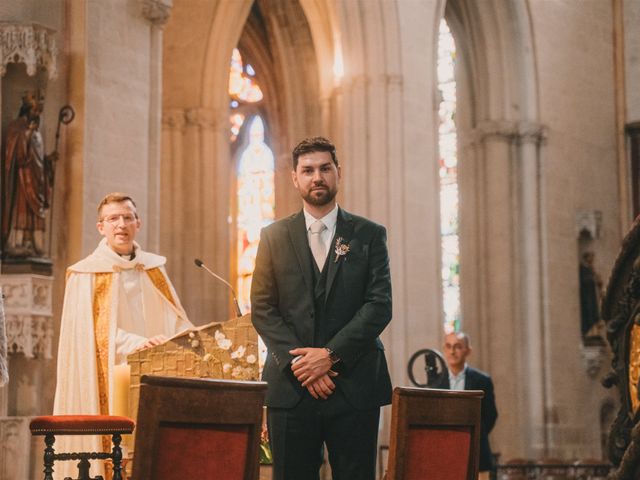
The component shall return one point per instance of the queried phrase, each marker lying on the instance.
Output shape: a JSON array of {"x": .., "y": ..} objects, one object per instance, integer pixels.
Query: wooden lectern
[{"x": 224, "y": 350}]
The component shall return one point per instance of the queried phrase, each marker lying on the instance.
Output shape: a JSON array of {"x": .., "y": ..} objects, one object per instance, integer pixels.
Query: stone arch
[
  {"x": 499, "y": 161},
  {"x": 196, "y": 158}
]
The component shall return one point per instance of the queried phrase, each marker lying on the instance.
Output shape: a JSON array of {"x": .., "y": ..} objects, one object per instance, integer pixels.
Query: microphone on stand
[{"x": 200, "y": 263}]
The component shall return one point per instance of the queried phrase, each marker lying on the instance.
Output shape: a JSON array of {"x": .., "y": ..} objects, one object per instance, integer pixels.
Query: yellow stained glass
[
  {"x": 241, "y": 85},
  {"x": 256, "y": 204}
]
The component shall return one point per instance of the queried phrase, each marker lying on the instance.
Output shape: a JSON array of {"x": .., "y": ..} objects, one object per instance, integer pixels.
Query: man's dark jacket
[
  {"x": 477, "y": 380},
  {"x": 354, "y": 304}
]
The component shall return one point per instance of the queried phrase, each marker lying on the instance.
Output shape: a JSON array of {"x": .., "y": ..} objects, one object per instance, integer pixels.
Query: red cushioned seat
[
  {"x": 81, "y": 425},
  {"x": 435, "y": 434},
  {"x": 51, "y": 425}
]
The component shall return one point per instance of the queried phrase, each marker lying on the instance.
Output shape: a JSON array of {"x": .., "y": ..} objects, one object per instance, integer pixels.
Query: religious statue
[
  {"x": 590, "y": 293},
  {"x": 27, "y": 182}
]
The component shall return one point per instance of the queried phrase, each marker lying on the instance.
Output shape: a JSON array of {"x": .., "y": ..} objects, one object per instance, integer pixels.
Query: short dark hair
[
  {"x": 314, "y": 144},
  {"x": 116, "y": 197}
]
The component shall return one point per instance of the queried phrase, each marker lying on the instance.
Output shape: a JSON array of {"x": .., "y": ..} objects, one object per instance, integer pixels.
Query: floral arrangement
[
  {"x": 266, "y": 458},
  {"x": 342, "y": 248},
  {"x": 237, "y": 364}
]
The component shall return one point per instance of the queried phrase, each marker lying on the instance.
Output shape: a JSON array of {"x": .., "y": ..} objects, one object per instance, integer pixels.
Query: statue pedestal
[
  {"x": 15, "y": 447},
  {"x": 28, "y": 314},
  {"x": 29, "y": 328},
  {"x": 27, "y": 265}
]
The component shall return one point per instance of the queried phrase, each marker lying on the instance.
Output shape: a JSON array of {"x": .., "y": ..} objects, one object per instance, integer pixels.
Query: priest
[{"x": 118, "y": 300}]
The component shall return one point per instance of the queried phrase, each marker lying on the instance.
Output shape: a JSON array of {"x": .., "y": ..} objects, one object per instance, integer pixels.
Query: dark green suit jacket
[{"x": 357, "y": 307}]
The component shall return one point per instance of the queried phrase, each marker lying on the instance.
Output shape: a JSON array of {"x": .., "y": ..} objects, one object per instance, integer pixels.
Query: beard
[{"x": 320, "y": 198}]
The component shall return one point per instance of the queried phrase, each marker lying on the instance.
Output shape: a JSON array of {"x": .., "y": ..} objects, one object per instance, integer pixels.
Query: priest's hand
[
  {"x": 311, "y": 364},
  {"x": 152, "y": 342},
  {"x": 323, "y": 387}
]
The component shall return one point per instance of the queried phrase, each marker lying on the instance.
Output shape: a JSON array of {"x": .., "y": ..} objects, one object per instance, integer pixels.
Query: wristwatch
[{"x": 332, "y": 356}]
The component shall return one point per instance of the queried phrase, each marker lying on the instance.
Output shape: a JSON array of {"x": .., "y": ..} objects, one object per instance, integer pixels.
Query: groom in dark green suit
[{"x": 321, "y": 296}]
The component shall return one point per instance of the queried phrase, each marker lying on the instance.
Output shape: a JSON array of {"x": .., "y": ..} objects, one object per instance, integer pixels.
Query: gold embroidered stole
[
  {"x": 102, "y": 287},
  {"x": 101, "y": 319},
  {"x": 160, "y": 282}
]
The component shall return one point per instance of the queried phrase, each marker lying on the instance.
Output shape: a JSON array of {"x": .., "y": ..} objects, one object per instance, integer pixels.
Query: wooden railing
[{"x": 551, "y": 471}]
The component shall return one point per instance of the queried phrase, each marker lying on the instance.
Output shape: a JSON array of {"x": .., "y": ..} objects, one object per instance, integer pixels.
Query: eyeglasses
[{"x": 114, "y": 219}]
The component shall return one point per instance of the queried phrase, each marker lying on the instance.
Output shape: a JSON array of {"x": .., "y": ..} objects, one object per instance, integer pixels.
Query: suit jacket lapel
[
  {"x": 344, "y": 230},
  {"x": 468, "y": 379},
  {"x": 298, "y": 234}
]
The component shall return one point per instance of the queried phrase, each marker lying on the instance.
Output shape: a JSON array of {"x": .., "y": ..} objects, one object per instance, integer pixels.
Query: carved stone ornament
[
  {"x": 511, "y": 131},
  {"x": 593, "y": 358},
  {"x": 15, "y": 445},
  {"x": 28, "y": 314},
  {"x": 157, "y": 11},
  {"x": 588, "y": 223},
  {"x": 31, "y": 44}
]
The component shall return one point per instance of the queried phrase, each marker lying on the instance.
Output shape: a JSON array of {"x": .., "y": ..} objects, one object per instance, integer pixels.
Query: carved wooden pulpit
[
  {"x": 621, "y": 312},
  {"x": 225, "y": 350}
]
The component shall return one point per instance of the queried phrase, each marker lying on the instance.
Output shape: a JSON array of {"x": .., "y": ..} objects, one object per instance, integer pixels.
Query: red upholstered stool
[{"x": 53, "y": 425}]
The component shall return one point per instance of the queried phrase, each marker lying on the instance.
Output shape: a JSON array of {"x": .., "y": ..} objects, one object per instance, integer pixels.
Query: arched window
[
  {"x": 255, "y": 197},
  {"x": 243, "y": 90},
  {"x": 449, "y": 212},
  {"x": 256, "y": 204}
]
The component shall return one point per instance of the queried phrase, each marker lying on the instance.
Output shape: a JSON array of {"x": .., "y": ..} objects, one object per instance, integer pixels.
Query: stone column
[
  {"x": 157, "y": 13},
  {"x": 509, "y": 328},
  {"x": 355, "y": 155},
  {"x": 537, "y": 330},
  {"x": 195, "y": 182},
  {"x": 171, "y": 203},
  {"x": 219, "y": 246}
]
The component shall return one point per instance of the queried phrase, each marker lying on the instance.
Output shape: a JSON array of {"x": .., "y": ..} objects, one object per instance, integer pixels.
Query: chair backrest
[
  {"x": 435, "y": 434},
  {"x": 198, "y": 428}
]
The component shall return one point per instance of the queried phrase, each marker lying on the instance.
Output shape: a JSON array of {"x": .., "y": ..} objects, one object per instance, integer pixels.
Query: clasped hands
[{"x": 312, "y": 368}]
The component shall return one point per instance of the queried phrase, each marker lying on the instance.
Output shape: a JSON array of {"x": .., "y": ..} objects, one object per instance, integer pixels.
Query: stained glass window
[
  {"x": 243, "y": 89},
  {"x": 448, "y": 163},
  {"x": 256, "y": 204}
]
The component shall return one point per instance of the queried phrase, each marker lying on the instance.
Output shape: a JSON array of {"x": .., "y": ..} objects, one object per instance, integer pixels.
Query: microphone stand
[{"x": 199, "y": 263}]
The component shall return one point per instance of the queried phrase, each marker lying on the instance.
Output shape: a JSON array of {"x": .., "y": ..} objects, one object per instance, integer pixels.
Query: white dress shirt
[
  {"x": 456, "y": 382},
  {"x": 329, "y": 220}
]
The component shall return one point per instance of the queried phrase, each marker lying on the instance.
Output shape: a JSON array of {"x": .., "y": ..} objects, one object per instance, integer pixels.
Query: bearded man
[{"x": 320, "y": 298}]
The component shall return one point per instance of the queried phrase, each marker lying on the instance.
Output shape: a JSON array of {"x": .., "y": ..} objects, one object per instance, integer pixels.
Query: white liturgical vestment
[{"x": 112, "y": 305}]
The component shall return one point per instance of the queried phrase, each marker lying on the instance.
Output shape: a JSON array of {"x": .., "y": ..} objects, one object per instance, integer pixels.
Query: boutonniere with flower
[{"x": 342, "y": 248}]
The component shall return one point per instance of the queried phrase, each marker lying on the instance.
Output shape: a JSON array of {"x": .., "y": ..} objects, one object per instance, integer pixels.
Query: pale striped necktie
[{"x": 317, "y": 245}]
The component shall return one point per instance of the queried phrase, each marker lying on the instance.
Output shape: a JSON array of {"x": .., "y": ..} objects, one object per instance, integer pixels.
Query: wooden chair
[
  {"x": 435, "y": 434},
  {"x": 55, "y": 425},
  {"x": 198, "y": 428}
]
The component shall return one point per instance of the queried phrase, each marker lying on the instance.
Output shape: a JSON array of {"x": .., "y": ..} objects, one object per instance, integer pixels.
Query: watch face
[{"x": 332, "y": 356}]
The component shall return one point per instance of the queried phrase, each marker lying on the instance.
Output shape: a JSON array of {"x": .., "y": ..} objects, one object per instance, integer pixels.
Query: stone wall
[
  {"x": 632, "y": 58},
  {"x": 578, "y": 173},
  {"x": 107, "y": 70}
]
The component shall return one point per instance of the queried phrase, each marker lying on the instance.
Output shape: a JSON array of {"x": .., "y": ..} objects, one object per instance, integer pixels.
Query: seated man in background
[
  {"x": 462, "y": 377},
  {"x": 117, "y": 300}
]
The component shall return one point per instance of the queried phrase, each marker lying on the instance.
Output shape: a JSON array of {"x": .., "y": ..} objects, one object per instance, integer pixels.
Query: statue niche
[{"x": 27, "y": 182}]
